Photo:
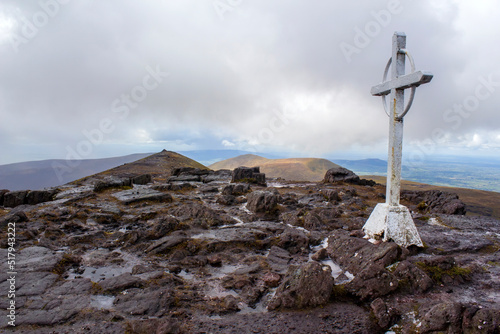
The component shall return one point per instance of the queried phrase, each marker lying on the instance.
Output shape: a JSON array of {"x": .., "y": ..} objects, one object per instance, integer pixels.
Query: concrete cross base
[{"x": 392, "y": 222}]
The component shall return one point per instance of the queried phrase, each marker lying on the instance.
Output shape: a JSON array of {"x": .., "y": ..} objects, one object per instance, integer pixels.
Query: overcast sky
[{"x": 95, "y": 79}]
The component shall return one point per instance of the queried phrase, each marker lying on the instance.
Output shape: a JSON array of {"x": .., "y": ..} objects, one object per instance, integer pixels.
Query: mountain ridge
[
  {"x": 36, "y": 175},
  {"x": 293, "y": 169},
  {"x": 158, "y": 165}
]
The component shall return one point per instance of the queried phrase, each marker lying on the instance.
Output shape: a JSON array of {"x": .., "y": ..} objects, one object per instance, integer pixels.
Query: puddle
[
  {"x": 62, "y": 249},
  {"x": 240, "y": 222},
  {"x": 289, "y": 185},
  {"x": 219, "y": 292},
  {"x": 276, "y": 185},
  {"x": 92, "y": 268},
  {"x": 244, "y": 208},
  {"x": 205, "y": 235},
  {"x": 323, "y": 244},
  {"x": 224, "y": 270},
  {"x": 186, "y": 275},
  {"x": 101, "y": 302},
  {"x": 349, "y": 276},
  {"x": 436, "y": 222},
  {"x": 99, "y": 274},
  {"x": 408, "y": 317},
  {"x": 259, "y": 308},
  {"x": 297, "y": 228},
  {"x": 336, "y": 270}
]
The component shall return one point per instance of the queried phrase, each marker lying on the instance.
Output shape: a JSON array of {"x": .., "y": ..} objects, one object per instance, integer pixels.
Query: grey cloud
[{"x": 228, "y": 77}]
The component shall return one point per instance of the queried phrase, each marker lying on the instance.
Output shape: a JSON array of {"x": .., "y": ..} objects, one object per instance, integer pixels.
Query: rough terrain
[{"x": 191, "y": 251}]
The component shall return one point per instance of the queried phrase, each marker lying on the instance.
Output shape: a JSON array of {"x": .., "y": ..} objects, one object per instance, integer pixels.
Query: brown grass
[{"x": 479, "y": 202}]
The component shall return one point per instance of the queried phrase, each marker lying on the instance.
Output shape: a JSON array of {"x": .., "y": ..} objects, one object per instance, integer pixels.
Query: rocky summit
[{"x": 185, "y": 250}]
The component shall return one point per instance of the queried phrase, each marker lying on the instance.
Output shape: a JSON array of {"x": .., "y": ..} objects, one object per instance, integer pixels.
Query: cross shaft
[{"x": 392, "y": 221}]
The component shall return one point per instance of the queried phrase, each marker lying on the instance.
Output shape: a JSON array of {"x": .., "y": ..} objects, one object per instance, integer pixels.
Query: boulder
[
  {"x": 221, "y": 175},
  {"x": 112, "y": 182},
  {"x": 15, "y": 198},
  {"x": 480, "y": 320},
  {"x": 443, "y": 269},
  {"x": 13, "y": 217},
  {"x": 226, "y": 200},
  {"x": 443, "y": 317},
  {"x": 249, "y": 175},
  {"x": 320, "y": 255},
  {"x": 180, "y": 171},
  {"x": 120, "y": 282},
  {"x": 271, "y": 279},
  {"x": 161, "y": 226},
  {"x": 385, "y": 315},
  {"x": 435, "y": 201},
  {"x": 341, "y": 174},
  {"x": 372, "y": 282},
  {"x": 167, "y": 243},
  {"x": 263, "y": 201},
  {"x": 323, "y": 219},
  {"x": 309, "y": 285},
  {"x": 209, "y": 190},
  {"x": 40, "y": 196},
  {"x": 236, "y": 189},
  {"x": 411, "y": 278},
  {"x": 200, "y": 215},
  {"x": 142, "y": 194},
  {"x": 293, "y": 240},
  {"x": 278, "y": 259},
  {"x": 152, "y": 303},
  {"x": 294, "y": 218},
  {"x": 355, "y": 254},
  {"x": 142, "y": 179},
  {"x": 331, "y": 195},
  {"x": 188, "y": 174},
  {"x": 2, "y": 193}
]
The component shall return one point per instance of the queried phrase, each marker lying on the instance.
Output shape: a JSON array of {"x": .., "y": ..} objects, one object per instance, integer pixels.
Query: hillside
[
  {"x": 36, "y": 175},
  {"x": 159, "y": 165},
  {"x": 294, "y": 169},
  {"x": 479, "y": 202}
]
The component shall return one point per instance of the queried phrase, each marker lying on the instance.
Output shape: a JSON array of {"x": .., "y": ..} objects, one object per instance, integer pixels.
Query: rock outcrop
[
  {"x": 341, "y": 174},
  {"x": 249, "y": 175},
  {"x": 309, "y": 285},
  {"x": 435, "y": 201}
]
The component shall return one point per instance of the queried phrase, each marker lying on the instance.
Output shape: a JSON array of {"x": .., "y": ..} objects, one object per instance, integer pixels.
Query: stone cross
[{"x": 392, "y": 220}]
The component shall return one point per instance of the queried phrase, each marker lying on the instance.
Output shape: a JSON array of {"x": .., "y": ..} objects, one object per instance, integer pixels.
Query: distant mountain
[
  {"x": 208, "y": 157},
  {"x": 159, "y": 165},
  {"x": 294, "y": 169},
  {"x": 36, "y": 175}
]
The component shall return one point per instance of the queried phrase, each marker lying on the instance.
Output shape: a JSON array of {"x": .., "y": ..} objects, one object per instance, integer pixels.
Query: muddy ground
[{"x": 211, "y": 256}]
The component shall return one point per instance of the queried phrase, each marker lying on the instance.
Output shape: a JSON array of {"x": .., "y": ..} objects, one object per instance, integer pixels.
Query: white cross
[{"x": 392, "y": 220}]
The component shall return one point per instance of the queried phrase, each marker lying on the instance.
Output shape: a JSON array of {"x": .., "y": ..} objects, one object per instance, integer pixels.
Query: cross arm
[{"x": 405, "y": 81}]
